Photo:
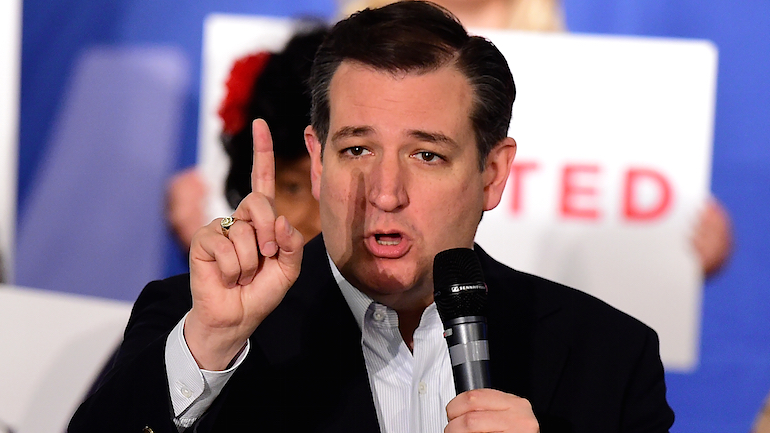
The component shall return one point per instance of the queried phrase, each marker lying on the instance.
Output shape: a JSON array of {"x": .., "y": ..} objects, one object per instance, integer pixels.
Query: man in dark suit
[{"x": 408, "y": 147}]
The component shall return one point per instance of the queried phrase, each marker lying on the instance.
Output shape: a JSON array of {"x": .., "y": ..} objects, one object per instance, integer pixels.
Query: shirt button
[
  {"x": 186, "y": 392},
  {"x": 378, "y": 315},
  {"x": 422, "y": 388}
]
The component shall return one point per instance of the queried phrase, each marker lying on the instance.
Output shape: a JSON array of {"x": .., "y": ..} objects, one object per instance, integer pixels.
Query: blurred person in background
[
  {"x": 270, "y": 86},
  {"x": 762, "y": 422},
  {"x": 533, "y": 15}
]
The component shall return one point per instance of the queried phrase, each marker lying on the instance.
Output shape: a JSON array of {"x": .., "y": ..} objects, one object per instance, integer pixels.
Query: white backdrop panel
[{"x": 10, "y": 71}]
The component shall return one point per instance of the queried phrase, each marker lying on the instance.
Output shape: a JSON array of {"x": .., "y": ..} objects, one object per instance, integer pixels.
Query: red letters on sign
[
  {"x": 574, "y": 187},
  {"x": 517, "y": 180},
  {"x": 647, "y": 194},
  {"x": 632, "y": 208}
]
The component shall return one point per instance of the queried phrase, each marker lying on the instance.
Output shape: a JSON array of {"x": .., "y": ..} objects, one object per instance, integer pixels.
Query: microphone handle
[{"x": 469, "y": 352}]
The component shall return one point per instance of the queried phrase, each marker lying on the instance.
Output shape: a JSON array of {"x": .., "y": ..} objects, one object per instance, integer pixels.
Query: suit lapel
[
  {"x": 312, "y": 346},
  {"x": 526, "y": 358},
  {"x": 549, "y": 358},
  {"x": 347, "y": 383}
]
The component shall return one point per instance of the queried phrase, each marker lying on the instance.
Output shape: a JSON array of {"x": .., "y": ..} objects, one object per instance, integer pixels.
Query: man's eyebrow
[
  {"x": 352, "y": 131},
  {"x": 433, "y": 137}
]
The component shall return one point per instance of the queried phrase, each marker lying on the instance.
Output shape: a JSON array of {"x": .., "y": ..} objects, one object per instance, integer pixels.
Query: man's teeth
[{"x": 388, "y": 241}]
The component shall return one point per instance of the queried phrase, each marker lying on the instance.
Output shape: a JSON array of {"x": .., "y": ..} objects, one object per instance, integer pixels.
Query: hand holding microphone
[{"x": 460, "y": 293}]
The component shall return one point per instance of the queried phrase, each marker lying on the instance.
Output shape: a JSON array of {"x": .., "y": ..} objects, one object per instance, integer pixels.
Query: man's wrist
[
  {"x": 212, "y": 350},
  {"x": 192, "y": 389}
]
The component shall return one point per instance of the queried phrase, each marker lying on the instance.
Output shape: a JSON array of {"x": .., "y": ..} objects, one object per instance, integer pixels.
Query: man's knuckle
[
  {"x": 472, "y": 420},
  {"x": 239, "y": 229},
  {"x": 249, "y": 270},
  {"x": 473, "y": 396},
  {"x": 531, "y": 425},
  {"x": 523, "y": 403},
  {"x": 221, "y": 249}
]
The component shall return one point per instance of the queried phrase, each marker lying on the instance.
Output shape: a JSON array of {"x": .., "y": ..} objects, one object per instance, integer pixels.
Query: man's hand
[
  {"x": 489, "y": 410},
  {"x": 237, "y": 281}
]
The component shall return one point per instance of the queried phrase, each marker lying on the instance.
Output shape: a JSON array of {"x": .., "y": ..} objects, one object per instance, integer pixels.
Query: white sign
[{"x": 613, "y": 166}]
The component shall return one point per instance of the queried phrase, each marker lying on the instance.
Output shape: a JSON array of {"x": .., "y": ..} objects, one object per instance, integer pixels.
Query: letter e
[{"x": 572, "y": 191}]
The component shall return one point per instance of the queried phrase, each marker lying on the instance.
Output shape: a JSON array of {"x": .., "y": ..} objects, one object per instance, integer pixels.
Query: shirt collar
[{"x": 358, "y": 302}]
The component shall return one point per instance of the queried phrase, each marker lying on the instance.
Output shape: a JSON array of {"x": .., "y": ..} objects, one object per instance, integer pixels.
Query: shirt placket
[
  {"x": 393, "y": 367},
  {"x": 428, "y": 381}
]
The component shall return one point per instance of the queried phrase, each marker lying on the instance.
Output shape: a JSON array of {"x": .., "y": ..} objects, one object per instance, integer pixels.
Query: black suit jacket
[{"x": 583, "y": 365}]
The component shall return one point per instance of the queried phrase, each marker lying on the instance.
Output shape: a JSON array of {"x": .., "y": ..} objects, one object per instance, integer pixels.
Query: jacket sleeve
[
  {"x": 645, "y": 408},
  {"x": 134, "y": 393}
]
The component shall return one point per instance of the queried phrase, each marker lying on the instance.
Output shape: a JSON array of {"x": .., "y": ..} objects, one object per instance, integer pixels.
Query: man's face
[{"x": 399, "y": 180}]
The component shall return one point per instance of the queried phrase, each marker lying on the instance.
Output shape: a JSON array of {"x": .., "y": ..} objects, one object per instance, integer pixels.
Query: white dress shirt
[{"x": 410, "y": 389}]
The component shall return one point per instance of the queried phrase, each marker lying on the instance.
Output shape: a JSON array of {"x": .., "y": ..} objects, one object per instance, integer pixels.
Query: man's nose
[{"x": 387, "y": 182}]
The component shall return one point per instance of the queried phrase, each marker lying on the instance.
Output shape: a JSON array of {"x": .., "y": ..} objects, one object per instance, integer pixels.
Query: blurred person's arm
[
  {"x": 185, "y": 204},
  {"x": 713, "y": 237},
  {"x": 762, "y": 422}
]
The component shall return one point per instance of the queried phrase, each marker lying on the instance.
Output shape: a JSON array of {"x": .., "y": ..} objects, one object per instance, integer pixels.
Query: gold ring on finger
[{"x": 226, "y": 223}]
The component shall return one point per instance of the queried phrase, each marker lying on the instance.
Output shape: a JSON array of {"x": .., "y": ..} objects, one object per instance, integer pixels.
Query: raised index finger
[{"x": 263, "y": 168}]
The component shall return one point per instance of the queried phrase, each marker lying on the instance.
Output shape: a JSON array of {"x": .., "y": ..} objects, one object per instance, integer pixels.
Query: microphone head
[{"x": 458, "y": 284}]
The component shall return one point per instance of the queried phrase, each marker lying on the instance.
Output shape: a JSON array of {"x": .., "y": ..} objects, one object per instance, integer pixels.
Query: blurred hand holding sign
[{"x": 612, "y": 168}]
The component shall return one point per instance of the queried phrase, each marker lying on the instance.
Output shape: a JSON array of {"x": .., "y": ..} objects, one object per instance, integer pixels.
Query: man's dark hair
[
  {"x": 417, "y": 37},
  {"x": 281, "y": 96}
]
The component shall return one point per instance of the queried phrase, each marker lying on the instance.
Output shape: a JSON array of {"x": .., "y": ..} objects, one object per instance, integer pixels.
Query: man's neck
[
  {"x": 408, "y": 321},
  {"x": 408, "y": 305}
]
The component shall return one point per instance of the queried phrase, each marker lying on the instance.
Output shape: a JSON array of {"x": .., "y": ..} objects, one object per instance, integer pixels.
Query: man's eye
[
  {"x": 356, "y": 151},
  {"x": 428, "y": 156}
]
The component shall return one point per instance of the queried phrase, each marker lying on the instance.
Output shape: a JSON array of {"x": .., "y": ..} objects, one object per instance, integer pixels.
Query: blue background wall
[{"x": 60, "y": 38}]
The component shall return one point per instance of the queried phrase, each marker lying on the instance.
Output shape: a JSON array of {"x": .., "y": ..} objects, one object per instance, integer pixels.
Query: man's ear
[
  {"x": 496, "y": 171},
  {"x": 314, "y": 149}
]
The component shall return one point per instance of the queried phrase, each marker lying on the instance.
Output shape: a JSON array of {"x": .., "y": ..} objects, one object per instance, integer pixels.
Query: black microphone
[{"x": 461, "y": 299}]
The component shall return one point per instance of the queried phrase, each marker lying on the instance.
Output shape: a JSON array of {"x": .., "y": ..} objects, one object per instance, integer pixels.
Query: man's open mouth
[
  {"x": 388, "y": 245},
  {"x": 388, "y": 238}
]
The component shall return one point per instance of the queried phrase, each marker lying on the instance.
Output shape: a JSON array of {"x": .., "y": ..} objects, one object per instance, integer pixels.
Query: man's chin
[{"x": 379, "y": 283}]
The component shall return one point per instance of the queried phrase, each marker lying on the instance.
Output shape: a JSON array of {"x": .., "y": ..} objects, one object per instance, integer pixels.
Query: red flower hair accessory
[{"x": 240, "y": 85}]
